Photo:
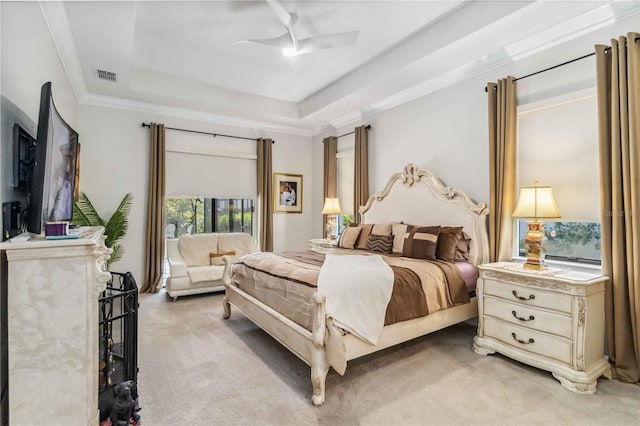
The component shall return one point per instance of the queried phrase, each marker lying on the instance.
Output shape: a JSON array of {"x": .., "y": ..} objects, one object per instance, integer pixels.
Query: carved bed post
[
  {"x": 226, "y": 279},
  {"x": 319, "y": 364}
]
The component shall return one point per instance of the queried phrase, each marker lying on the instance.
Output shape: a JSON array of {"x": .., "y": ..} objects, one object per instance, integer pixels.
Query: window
[
  {"x": 196, "y": 215},
  {"x": 558, "y": 146},
  {"x": 568, "y": 241},
  {"x": 344, "y": 179}
]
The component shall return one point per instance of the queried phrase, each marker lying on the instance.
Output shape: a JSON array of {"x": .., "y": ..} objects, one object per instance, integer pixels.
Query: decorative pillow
[
  {"x": 380, "y": 243},
  {"x": 463, "y": 248},
  {"x": 422, "y": 243},
  {"x": 400, "y": 232},
  {"x": 381, "y": 229},
  {"x": 349, "y": 237},
  {"x": 447, "y": 242},
  {"x": 216, "y": 258},
  {"x": 364, "y": 236}
]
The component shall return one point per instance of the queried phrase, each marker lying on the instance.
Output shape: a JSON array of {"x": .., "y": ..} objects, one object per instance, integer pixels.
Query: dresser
[
  {"x": 550, "y": 319},
  {"x": 53, "y": 288},
  {"x": 322, "y": 245}
]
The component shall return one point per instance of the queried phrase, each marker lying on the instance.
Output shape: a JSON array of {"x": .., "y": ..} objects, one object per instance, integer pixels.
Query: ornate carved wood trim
[{"x": 531, "y": 281}]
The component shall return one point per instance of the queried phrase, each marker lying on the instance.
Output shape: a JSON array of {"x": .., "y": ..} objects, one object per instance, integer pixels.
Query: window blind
[
  {"x": 558, "y": 146},
  {"x": 219, "y": 169}
]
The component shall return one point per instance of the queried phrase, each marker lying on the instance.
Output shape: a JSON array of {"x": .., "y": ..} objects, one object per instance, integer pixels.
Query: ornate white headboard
[{"x": 417, "y": 197}]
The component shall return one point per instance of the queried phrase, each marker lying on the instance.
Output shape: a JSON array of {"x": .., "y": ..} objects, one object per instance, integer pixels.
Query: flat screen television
[
  {"x": 24, "y": 148},
  {"x": 51, "y": 195}
]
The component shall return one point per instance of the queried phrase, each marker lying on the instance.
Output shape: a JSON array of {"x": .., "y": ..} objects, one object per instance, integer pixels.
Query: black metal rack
[{"x": 118, "y": 332}]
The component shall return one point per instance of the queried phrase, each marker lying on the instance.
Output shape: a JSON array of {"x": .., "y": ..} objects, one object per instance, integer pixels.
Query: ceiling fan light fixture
[{"x": 289, "y": 51}]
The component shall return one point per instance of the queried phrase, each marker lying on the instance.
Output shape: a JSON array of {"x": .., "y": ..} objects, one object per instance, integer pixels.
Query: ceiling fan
[{"x": 292, "y": 46}]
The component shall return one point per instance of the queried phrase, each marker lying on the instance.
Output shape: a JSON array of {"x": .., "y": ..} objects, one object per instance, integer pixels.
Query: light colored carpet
[{"x": 198, "y": 369}]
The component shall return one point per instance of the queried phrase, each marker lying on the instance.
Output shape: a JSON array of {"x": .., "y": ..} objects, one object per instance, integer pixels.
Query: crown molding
[
  {"x": 187, "y": 114},
  {"x": 55, "y": 18}
]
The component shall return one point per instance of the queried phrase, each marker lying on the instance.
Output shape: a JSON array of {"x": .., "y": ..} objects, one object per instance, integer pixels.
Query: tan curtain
[
  {"x": 618, "y": 80},
  {"x": 361, "y": 171},
  {"x": 154, "y": 244},
  {"x": 330, "y": 172},
  {"x": 265, "y": 194},
  {"x": 502, "y": 167}
]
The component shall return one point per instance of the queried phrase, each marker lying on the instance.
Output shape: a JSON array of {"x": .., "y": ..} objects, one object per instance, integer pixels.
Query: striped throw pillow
[
  {"x": 380, "y": 243},
  {"x": 422, "y": 243}
]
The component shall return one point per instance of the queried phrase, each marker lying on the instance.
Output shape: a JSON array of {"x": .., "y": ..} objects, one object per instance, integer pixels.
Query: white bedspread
[{"x": 358, "y": 289}]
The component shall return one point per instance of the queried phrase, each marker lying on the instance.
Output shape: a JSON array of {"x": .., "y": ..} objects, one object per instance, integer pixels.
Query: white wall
[
  {"x": 114, "y": 160},
  {"x": 446, "y": 131},
  {"x": 29, "y": 59}
]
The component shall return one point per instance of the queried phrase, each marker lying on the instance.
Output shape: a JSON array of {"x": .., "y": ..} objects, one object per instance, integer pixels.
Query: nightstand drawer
[
  {"x": 529, "y": 296},
  {"x": 529, "y": 316},
  {"x": 529, "y": 340}
]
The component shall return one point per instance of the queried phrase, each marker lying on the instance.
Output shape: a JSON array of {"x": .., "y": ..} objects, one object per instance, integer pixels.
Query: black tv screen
[
  {"x": 24, "y": 147},
  {"x": 54, "y": 170}
]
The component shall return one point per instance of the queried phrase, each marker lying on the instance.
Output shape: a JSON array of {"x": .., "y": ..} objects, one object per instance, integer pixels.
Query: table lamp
[
  {"x": 535, "y": 202},
  {"x": 331, "y": 208}
]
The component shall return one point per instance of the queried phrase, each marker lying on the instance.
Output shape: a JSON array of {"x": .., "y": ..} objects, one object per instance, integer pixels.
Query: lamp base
[
  {"x": 534, "y": 246},
  {"x": 331, "y": 228}
]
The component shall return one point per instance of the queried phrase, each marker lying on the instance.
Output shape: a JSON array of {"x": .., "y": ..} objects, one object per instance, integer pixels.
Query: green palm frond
[
  {"x": 116, "y": 254},
  {"x": 84, "y": 214},
  {"x": 118, "y": 224}
]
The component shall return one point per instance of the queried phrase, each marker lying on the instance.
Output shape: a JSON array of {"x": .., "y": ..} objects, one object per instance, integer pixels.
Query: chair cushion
[
  {"x": 195, "y": 249},
  {"x": 239, "y": 242}
]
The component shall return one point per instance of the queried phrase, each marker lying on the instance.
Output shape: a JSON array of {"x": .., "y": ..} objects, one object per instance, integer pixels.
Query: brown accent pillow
[
  {"x": 422, "y": 243},
  {"x": 463, "y": 248},
  {"x": 380, "y": 243},
  {"x": 216, "y": 258},
  {"x": 349, "y": 237},
  {"x": 364, "y": 236},
  {"x": 447, "y": 242},
  {"x": 381, "y": 229}
]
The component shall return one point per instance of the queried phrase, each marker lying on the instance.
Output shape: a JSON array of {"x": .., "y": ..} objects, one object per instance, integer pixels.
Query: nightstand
[
  {"x": 322, "y": 245},
  {"x": 550, "y": 319}
]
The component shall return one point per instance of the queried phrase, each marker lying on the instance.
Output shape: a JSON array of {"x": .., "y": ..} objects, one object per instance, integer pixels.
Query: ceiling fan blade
[
  {"x": 280, "y": 42},
  {"x": 280, "y": 11},
  {"x": 327, "y": 41},
  {"x": 286, "y": 19}
]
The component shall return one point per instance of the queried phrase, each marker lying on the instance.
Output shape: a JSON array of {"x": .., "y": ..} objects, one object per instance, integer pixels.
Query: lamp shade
[
  {"x": 331, "y": 206},
  {"x": 536, "y": 202}
]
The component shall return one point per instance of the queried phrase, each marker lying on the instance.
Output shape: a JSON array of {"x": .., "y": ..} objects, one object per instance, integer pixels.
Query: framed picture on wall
[{"x": 287, "y": 193}]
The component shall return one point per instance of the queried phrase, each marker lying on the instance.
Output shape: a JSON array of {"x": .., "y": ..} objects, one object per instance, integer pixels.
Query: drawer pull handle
[
  {"x": 521, "y": 341},
  {"x": 531, "y": 296},
  {"x": 531, "y": 317}
]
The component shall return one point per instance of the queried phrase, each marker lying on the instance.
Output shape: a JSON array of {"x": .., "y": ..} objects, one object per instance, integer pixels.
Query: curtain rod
[
  {"x": 368, "y": 127},
  {"x": 559, "y": 65},
  {"x": 206, "y": 133}
]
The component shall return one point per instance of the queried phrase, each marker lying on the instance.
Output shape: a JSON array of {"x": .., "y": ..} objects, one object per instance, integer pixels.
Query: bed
[{"x": 412, "y": 196}]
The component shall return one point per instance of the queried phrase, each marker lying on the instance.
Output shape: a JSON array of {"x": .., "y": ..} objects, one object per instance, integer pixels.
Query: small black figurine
[{"x": 119, "y": 404}]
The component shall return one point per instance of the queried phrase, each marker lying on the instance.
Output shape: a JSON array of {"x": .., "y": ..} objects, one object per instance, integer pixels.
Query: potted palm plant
[{"x": 84, "y": 214}]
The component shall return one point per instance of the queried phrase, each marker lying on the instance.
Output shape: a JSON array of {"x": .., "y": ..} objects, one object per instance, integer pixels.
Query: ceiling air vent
[{"x": 106, "y": 75}]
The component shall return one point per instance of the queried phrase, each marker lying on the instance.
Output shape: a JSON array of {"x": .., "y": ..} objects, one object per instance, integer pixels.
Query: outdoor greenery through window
[
  {"x": 570, "y": 241},
  {"x": 197, "y": 215}
]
